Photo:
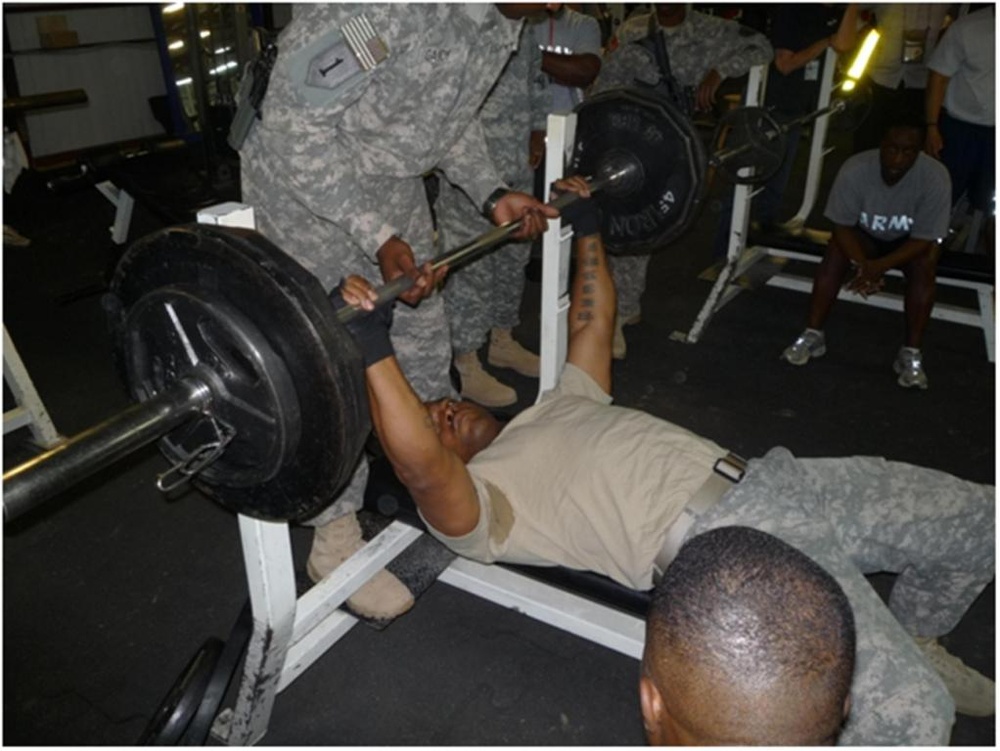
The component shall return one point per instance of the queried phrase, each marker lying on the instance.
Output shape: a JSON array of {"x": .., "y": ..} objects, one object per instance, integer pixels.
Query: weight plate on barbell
[
  {"x": 660, "y": 197},
  {"x": 272, "y": 339},
  {"x": 751, "y": 145},
  {"x": 176, "y": 331}
]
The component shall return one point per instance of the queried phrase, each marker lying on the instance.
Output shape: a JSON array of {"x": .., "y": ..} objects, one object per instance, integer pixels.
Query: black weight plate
[
  {"x": 179, "y": 706},
  {"x": 660, "y": 198},
  {"x": 175, "y": 330},
  {"x": 291, "y": 312},
  {"x": 225, "y": 668},
  {"x": 748, "y": 138}
]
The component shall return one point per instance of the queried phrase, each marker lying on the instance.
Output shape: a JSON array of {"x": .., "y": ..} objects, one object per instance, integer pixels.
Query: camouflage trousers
[
  {"x": 629, "y": 273},
  {"x": 419, "y": 335},
  {"x": 861, "y": 515},
  {"x": 486, "y": 292}
]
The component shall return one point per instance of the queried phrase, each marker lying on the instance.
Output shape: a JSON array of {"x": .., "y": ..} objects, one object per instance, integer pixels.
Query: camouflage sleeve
[
  {"x": 303, "y": 145},
  {"x": 623, "y": 66},
  {"x": 731, "y": 48},
  {"x": 342, "y": 195},
  {"x": 469, "y": 166}
]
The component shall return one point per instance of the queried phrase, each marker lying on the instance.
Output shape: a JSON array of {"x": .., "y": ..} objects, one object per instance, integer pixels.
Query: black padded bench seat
[{"x": 386, "y": 495}]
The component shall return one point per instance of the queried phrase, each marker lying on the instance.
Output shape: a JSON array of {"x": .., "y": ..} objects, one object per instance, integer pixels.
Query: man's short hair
[{"x": 745, "y": 608}]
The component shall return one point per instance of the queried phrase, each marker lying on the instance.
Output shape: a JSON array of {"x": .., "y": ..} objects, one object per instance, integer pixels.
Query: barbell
[
  {"x": 245, "y": 373},
  {"x": 240, "y": 367}
]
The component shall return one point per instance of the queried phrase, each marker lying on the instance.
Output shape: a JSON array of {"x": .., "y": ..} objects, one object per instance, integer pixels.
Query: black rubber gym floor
[{"x": 111, "y": 588}]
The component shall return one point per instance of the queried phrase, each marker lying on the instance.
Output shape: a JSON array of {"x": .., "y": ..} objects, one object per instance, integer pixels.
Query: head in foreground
[{"x": 748, "y": 642}]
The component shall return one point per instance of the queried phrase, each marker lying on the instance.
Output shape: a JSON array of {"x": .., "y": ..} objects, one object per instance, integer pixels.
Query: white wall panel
[
  {"x": 92, "y": 25},
  {"x": 118, "y": 77}
]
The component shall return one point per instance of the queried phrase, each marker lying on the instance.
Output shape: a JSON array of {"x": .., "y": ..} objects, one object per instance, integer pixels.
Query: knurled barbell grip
[{"x": 390, "y": 291}]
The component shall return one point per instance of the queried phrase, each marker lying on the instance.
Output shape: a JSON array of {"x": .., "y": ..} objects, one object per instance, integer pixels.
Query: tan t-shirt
[{"x": 574, "y": 481}]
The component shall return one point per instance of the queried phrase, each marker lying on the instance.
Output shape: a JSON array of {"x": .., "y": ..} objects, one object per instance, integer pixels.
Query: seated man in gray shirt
[
  {"x": 579, "y": 482},
  {"x": 890, "y": 209}
]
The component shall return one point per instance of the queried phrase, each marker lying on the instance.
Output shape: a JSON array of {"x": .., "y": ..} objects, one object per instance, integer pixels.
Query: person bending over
[
  {"x": 890, "y": 208},
  {"x": 578, "y": 482},
  {"x": 748, "y": 642}
]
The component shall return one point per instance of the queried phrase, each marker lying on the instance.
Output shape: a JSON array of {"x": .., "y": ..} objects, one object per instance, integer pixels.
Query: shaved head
[{"x": 748, "y": 642}]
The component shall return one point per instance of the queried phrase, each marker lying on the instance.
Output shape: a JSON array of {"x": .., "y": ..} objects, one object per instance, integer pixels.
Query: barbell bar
[
  {"x": 194, "y": 395},
  {"x": 486, "y": 241},
  {"x": 243, "y": 370}
]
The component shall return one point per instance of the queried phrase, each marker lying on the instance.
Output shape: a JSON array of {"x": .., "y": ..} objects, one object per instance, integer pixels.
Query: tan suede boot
[
  {"x": 507, "y": 353},
  {"x": 382, "y": 597},
  {"x": 480, "y": 386},
  {"x": 618, "y": 346}
]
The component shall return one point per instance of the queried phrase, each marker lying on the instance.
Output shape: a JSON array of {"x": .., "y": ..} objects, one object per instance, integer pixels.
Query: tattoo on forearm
[{"x": 589, "y": 260}]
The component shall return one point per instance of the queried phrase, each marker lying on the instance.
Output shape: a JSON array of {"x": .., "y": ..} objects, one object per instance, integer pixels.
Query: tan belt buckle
[{"x": 732, "y": 466}]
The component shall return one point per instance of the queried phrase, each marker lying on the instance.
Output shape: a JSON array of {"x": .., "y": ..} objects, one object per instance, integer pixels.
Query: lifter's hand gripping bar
[{"x": 390, "y": 291}]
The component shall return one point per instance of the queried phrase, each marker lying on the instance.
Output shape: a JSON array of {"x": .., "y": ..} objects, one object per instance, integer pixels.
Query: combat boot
[
  {"x": 505, "y": 352},
  {"x": 618, "y": 347},
  {"x": 382, "y": 597},
  {"x": 479, "y": 386}
]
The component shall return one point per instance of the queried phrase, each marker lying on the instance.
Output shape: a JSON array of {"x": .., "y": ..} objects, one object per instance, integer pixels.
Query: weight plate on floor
[
  {"x": 660, "y": 198},
  {"x": 222, "y": 676},
  {"x": 225, "y": 279},
  {"x": 179, "y": 706}
]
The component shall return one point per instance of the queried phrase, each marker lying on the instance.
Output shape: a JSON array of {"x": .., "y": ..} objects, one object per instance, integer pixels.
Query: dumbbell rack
[{"x": 290, "y": 632}]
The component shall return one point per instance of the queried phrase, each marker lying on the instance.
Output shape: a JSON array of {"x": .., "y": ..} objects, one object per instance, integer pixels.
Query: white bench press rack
[{"x": 290, "y": 633}]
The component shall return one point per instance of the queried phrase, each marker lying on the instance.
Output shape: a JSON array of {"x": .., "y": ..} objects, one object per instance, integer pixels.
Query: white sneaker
[
  {"x": 811, "y": 343},
  {"x": 973, "y": 692},
  {"x": 910, "y": 368}
]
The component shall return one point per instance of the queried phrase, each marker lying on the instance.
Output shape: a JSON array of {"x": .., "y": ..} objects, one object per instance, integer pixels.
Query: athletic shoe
[
  {"x": 973, "y": 692},
  {"x": 910, "y": 368},
  {"x": 811, "y": 343}
]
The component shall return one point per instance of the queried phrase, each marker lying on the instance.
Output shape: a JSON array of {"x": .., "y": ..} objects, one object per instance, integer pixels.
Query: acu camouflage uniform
[
  {"x": 331, "y": 181},
  {"x": 696, "y": 46},
  {"x": 861, "y": 515},
  {"x": 486, "y": 293}
]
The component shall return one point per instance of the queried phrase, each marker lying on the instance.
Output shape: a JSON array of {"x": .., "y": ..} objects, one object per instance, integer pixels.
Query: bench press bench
[{"x": 291, "y": 632}]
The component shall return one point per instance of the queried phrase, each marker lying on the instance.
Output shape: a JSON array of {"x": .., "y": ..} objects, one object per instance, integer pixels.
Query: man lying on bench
[{"x": 578, "y": 482}]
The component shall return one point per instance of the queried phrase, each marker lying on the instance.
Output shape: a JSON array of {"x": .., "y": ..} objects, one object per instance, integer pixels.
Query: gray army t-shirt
[{"x": 919, "y": 205}]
